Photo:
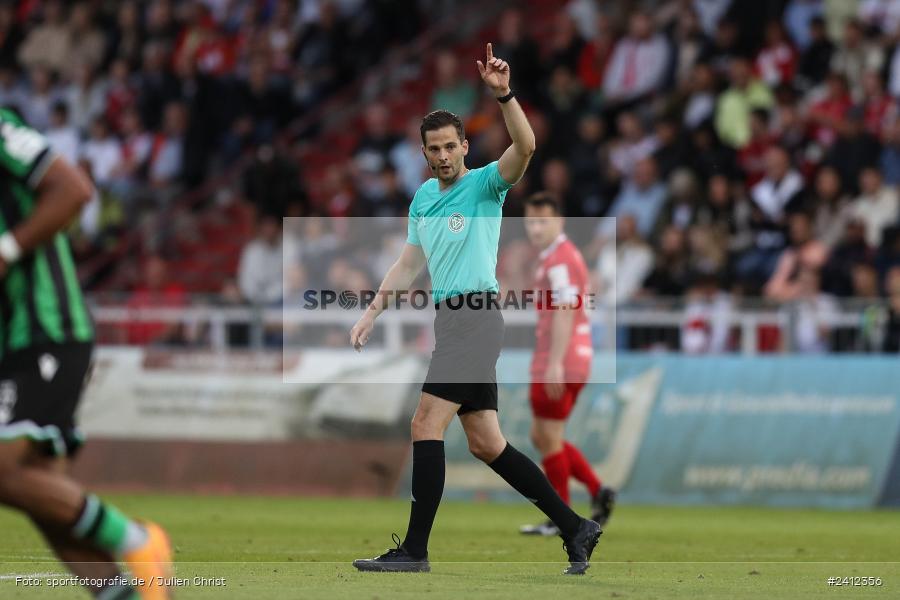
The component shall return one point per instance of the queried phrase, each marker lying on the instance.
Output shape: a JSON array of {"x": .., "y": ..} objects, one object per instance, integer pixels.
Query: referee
[{"x": 454, "y": 227}]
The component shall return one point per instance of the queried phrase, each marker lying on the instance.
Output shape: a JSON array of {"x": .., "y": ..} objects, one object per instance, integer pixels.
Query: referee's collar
[{"x": 549, "y": 249}]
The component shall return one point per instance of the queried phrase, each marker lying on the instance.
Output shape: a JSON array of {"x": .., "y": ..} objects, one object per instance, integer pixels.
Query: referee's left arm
[{"x": 495, "y": 73}]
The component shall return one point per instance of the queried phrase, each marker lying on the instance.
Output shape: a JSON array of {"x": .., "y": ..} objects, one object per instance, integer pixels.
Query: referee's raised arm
[{"x": 495, "y": 73}]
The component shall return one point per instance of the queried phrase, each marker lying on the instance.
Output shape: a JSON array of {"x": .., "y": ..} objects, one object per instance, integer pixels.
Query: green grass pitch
[{"x": 269, "y": 548}]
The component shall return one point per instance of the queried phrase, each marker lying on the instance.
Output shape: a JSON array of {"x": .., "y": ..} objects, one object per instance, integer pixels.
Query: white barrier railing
[{"x": 217, "y": 319}]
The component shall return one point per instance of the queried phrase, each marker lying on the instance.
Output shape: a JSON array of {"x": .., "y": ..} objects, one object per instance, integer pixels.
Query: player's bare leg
[{"x": 81, "y": 529}]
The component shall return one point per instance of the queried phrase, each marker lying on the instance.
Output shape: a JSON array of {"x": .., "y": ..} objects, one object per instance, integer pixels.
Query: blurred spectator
[
  {"x": 156, "y": 290},
  {"x": 584, "y": 161},
  {"x": 801, "y": 19},
  {"x": 641, "y": 198},
  {"x": 815, "y": 61},
  {"x": 811, "y": 314},
  {"x": 856, "y": 56},
  {"x": 125, "y": 41},
  {"x": 854, "y": 150},
  {"x": 891, "y": 335},
  {"x": 321, "y": 56},
  {"x": 639, "y": 61},
  {"x": 48, "y": 45},
  {"x": 596, "y": 54},
  {"x": 723, "y": 48},
  {"x": 850, "y": 251},
  {"x": 407, "y": 159},
  {"x": 877, "y": 207},
  {"x": 879, "y": 109},
  {"x": 827, "y": 116},
  {"x": 727, "y": 215},
  {"x": 623, "y": 263},
  {"x": 803, "y": 253},
  {"x": 700, "y": 103},
  {"x": 272, "y": 183},
  {"x": 752, "y": 157},
  {"x": 736, "y": 104},
  {"x": 103, "y": 151},
  {"x": 830, "y": 205},
  {"x": 452, "y": 92},
  {"x": 671, "y": 273},
  {"x": 87, "y": 44},
  {"x": 706, "y": 325},
  {"x": 86, "y": 97},
  {"x": 167, "y": 152},
  {"x": 42, "y": 95},
  {"x": 632, "y": 145},
  {"x": 889, "y": 161},
  {"x": 517, "y": 48},
  {"x": 563, "y": 103},
  {"x": 64, "y": 139},
  {"x": 776, "y": 62},
  {"x": 10, "y": 35},
  {"x": 773, "y": 197},
  {"x": 711, "y": 13},
  {"x": 260, "y": 269},
  {"x": 880, "y": 15},
  {"x": 373, "y": 152},
  {"x": 565, "y": 43}
]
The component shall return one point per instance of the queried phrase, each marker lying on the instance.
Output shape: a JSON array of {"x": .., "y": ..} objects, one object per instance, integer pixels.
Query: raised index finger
[{"x": 490, "y": 51}]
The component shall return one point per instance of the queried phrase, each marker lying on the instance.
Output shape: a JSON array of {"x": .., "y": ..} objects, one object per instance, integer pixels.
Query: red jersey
[{"x": 562, "y": 276}]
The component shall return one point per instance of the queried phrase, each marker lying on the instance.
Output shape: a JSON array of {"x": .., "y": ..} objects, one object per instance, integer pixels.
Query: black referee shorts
[
  {"x": 39, "y": 392},
  {"x": 468, "y": 332}
]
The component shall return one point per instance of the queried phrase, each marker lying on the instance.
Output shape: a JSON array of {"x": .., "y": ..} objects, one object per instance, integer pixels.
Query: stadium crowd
[{"x": 748, "y": 150}]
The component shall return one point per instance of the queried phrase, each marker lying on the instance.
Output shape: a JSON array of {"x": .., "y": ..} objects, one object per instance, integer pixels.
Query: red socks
[
  {"x": 556, "y": 466},
  {"x": 579, "y": 467}
]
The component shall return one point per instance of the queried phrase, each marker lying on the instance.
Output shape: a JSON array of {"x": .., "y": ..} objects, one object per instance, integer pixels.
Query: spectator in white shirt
[
  {"x": 103, "y": 152},
  {"x": 62, "y": 136},
  {"x": 623, "y": 264},
  {"x": 639, "y": 62},
  {"x": 261, "y": 266},
  {"x": 877, "y": 207}
]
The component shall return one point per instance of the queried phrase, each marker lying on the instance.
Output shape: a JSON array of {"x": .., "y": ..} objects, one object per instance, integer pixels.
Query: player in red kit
[{"x": 561, "y": 363}]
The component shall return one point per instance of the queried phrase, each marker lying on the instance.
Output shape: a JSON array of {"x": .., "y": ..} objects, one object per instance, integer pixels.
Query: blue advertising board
[{"x": 781, "y": 430}]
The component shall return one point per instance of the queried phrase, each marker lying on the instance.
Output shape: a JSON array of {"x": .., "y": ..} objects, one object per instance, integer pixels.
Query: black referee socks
[
  {"x": 527, "y": 478},
  {"x": 427, "y": 489}
]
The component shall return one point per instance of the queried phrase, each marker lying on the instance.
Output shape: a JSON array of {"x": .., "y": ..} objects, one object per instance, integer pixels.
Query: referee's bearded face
[
  {"x": 542, "y": 225},
  {"x": 444, "y": 151}
]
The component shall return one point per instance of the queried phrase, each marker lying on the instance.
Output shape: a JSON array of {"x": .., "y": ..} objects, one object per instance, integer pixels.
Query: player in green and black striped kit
[{"x": 46, "y": 339}]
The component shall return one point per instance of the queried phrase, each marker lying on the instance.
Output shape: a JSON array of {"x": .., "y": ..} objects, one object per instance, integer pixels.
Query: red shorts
[{"x": 546, "y": 408}]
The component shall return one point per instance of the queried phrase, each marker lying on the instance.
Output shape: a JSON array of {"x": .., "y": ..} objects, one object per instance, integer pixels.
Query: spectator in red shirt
[
  {"x": 156, "y": 291},
  {"x": 827, "y": 116},
  {"x": 752, "y": 157},
  {"x": 776, "y": 62},
  {"x": 879, "y": 108}
]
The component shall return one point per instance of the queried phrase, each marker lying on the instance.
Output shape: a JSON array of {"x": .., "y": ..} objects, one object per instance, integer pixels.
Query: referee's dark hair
[
  {"x": 439, "y": 119},
  {"x": 539, "y": 199}
]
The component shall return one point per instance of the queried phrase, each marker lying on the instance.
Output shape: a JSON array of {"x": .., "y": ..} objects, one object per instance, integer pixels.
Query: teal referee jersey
[{"x": 458, "y": 229}]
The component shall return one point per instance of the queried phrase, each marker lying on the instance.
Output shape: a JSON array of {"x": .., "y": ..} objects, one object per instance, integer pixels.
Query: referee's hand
[{"x": 360, "y": 333}]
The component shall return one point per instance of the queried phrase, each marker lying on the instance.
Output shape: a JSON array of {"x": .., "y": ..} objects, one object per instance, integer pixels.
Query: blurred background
[{"x": 750, "y": 152}]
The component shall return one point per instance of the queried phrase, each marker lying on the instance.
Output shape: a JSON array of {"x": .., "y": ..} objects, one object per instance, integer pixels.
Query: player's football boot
[
  {"x": 580, "y": 546},
  {"x": 602, "y": 505},
  {"x": 152, "y": 563},
  {"x": 547, "y": 528},
  {"x": 395, "y": 560}
]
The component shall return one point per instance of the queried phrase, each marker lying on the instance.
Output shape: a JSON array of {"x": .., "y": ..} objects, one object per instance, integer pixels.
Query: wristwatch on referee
[{"x": 506, "y": 98}]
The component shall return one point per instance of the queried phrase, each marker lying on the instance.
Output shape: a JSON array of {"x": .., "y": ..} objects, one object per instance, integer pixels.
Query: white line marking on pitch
[{"x": 16, "y": 575}]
